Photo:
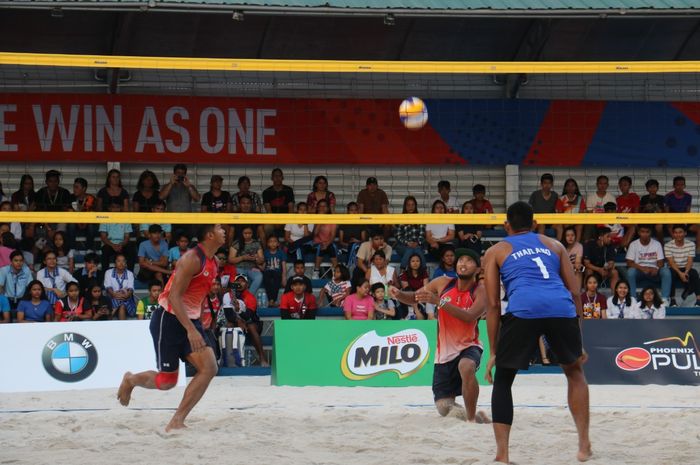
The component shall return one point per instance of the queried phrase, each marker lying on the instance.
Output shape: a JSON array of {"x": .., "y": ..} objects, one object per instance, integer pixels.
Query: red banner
[{"x": 124, "y": 128}]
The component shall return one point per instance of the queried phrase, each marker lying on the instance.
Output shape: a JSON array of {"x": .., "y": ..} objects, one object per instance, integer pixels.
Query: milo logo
[{"x": 403, "y": 353}]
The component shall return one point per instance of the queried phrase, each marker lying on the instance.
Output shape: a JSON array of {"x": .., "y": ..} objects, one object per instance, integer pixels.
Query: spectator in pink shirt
[{"x": 360, "y": 304}]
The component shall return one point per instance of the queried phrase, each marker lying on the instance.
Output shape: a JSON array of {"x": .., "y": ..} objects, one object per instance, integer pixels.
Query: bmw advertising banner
[
  {"x": 642, "y": 351},
  {"x": 75, "y": 355}
]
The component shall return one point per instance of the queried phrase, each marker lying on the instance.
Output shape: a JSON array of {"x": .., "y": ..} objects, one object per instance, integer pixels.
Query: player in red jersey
[
  {"x": 176, "y": 329},
  {"x": 460, "y": 302}
]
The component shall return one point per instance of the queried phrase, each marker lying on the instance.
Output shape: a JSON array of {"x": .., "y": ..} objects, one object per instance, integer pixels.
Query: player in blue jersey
[{"x": 543, "y": 298}]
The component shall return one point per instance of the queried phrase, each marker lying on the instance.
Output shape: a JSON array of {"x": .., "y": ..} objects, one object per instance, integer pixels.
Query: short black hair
[
  {"x": 155, "y": 228},
  {"x": 299, "y": 262},
  {"x": 82, "y": 181},
  {"x": 645, "y": 226},
  {"x": 154, "y": 283},
  {"x": 379, "y": 253},
  {"x": 625, "y": 178},
  {"x": 547, "y": 177},
  {"x": 601, "y": 177},
  {"x": 679, "y": 178},
  {"x": 610, "y": 206},
  {"x": 16, "y": 253},
  {"x": 519, "y": 216},
  {"x": 203, "y": 230},
  {"x": 242, "y": 179},
  {"x": 376, "y": 286},
  {"x": 478, "y": 188},
  {"x": 677, "y": 226},
  {"x": 374, "y": 232},
  {"x": 91, "y": 258},
  {"x": 651, "y": 182},
  {"x": 180, "y": 166},
  {"x": 53, "y": 174},
  {"x": 159, "y": 203},
  {"x": 445, "y": 184}
]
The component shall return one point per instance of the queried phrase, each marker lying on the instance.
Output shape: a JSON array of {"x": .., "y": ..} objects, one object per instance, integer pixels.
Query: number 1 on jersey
[{"x": 540, "y": 265}]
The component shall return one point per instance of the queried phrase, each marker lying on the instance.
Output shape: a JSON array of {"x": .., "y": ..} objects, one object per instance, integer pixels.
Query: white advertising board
[{"x": 74, "y": 355}]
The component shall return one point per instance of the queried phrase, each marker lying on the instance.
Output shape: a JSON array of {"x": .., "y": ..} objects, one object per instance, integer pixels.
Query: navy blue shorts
[
  {"x": 447, "y": 381},
  {"x": 170, "y": 340}
]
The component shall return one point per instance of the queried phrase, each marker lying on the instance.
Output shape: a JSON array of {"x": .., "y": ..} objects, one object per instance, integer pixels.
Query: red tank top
[
  {"x": 197, "y": 290},
  {"x": 455, "y": 335}
]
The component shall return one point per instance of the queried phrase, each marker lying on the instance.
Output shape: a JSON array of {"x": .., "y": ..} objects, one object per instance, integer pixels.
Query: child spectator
[
  {"x": 153, "y": 257},
  {"x": 275, "y": 272},
  {"x": 53, "y": 278},
  {"x": 653, "y": 203},
  {"x": 225, "y": 271},
  {"x": 166, "y": 228},
  {"x": 593, "y": 302},
  {"x": 297, "y": 235},
  {"x": 320, "y": 192},
  {"x": 544, "y": 200},
  {"x": 351, "y": 236},
  {"x": 438, "y": 236},
  {"x": 621, "y": 304},
  {"x": 70, "y": 307},
  {"x": 469, "y": 235},
  {"x": 651, "y": 306},
  {"x": 447, "y": 264},
  {"x": 98, "y": 303},
  {"x": 119, "y": 284},
  {"x": 34, "y": 307},
  {"x": 89, "y": 274},
  {"x": 366, "y": 252},
  {"x": 617, "y": 231},
  {"x": 182, "y": 245},
  {"x": 409, "y": 237},
  {"x": 65, "y": 256},
  {"x": 571, "y": 201},
  {"x": 247, "y": 255},
  {"x": 444, "y": 188},
  {"x": 299, "y": 270},
  {"x": 149, "y": 304},
  {"x": 14, "y": 279},
  {"x": 415, "y": 277},
  {"x": 384, "y": 309},
  {"x": 115, "y": 237},
  {"x": 337, "y": 289},
  {"x": 324, "y": 240},
  {"x": 298, "y": 304},
  {"x": 360, "y": 304},
  {"x": 381, "y": 272}
]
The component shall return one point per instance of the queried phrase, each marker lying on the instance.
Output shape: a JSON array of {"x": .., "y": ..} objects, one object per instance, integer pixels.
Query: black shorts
[
  {"x": 447, "y": 381},
  {"x": 518, "y": 338},
  {"x": 170, "y": 339},
  {"x": 250, "y": 317}
]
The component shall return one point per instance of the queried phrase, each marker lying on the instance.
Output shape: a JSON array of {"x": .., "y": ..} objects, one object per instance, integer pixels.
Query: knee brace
[{"x": 168, "y": 378}]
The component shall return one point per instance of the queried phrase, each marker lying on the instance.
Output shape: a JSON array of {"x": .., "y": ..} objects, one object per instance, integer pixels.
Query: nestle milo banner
[
  {"x": 642, "y": 351},
  {"x": 356, "y": 353}
]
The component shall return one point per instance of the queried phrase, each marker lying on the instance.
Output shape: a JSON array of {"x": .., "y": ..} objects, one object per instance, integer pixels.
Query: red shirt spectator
[{"x": 299, "y": 307}]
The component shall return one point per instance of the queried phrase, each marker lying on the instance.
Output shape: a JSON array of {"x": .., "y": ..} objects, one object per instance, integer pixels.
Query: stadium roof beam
[{"x": 219, "y": 6}]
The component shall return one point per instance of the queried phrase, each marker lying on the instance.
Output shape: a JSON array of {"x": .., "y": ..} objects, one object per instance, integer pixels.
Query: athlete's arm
[
  {"x": 187, "y": 267},
  {"x": 468, "y": 315},
  {"x": 434, "y": 287}
]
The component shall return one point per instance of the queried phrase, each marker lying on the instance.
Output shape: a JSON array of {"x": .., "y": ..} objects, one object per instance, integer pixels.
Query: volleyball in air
[{"x": 413, "y": 113}]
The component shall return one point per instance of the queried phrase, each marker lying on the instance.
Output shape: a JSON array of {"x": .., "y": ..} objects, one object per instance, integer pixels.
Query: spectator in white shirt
[
  {"x": 650, "y": 306},
  {"x": 444, "y": 189},
  {"x": 645, "y": 263},
  {"x": 621, "y": 304},
  {"x": 439, "y": 236}
]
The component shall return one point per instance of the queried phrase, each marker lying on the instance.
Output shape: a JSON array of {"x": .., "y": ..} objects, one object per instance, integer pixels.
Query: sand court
[{"x": 244, "y": 420}]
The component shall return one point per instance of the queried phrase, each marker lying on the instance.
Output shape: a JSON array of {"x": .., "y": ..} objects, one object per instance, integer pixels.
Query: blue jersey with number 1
[{"x": 531, "y": 277}]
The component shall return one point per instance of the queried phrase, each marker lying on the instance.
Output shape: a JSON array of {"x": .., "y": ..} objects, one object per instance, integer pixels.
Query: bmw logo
[{"x": 69, "y": 357}]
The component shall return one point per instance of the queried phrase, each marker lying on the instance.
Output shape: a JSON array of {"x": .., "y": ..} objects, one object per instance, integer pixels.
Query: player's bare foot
[
  {"x": 481, "y": 418},
  {"x": 584, "y": 453},
  {"x": 265, "y": 364},
  {"x": 175, "y": 425},
  {"x": 125, "y": 388}
]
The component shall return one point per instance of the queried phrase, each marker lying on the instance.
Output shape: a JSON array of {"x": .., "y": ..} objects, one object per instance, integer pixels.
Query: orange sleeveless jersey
[
  {"x": 455, "y": 335},
  {"x": 197, "y": 290}
]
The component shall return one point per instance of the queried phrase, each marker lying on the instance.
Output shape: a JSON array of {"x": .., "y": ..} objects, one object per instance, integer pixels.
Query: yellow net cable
[
  {"x": 365, "y": 219},
  {"x": 343, "y": 66}
]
